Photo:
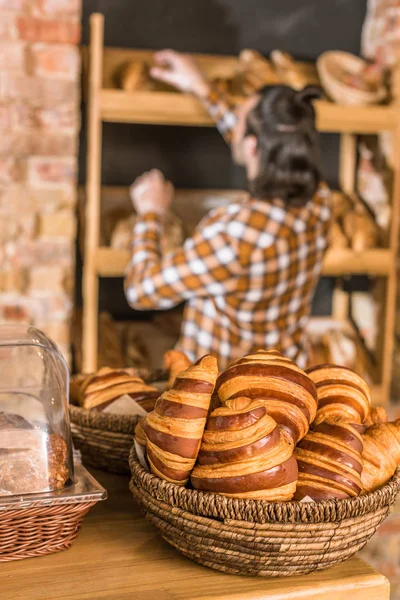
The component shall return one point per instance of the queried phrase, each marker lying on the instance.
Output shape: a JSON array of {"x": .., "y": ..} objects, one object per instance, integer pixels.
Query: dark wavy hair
[{"x": 283, "y": 122}]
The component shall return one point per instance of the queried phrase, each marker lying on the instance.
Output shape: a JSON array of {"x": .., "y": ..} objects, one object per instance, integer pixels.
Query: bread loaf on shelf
[
  {"x": 175, "y": 361},
  {"x": 381, "y": 454},
  {"x": 175, "y": 428},
  {"x": 341, "y": 394},
  {"x": 134, "y": 76},
  {"x": 337, "y": 237},
  {"x": 329, "y": 462},
  {"x": 172, "y": 235},
  {"x": 286, "y": 391},
  {"x": 360, "y": 229},
  {"x": 244, "y": 454},
  {"x": 105, "y": 386}
]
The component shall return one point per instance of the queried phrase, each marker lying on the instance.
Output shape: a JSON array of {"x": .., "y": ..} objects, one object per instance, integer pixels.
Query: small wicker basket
[
  {"x": 38, "y": 524},
  {"x": 103, "y": 439},
  {"x": 330, "y": 65},
  {"x": 259, "y": 538}
]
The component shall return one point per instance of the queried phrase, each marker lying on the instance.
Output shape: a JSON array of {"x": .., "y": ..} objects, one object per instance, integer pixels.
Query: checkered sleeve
[
  {"x": 222, "y": 111},
  {"x": 208, "y": 264}
]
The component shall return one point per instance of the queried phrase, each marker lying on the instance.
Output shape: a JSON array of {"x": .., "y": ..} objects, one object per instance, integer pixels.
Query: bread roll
[
  {"x": 134, "y": 75},
  {"x": 175, "y": 361},
  {"x": 287, "y": 392},
  {"x": 341, "y": 394},
  {"x": 175, "y": 428},
  {"x": 244, "y": 454},
  {"x": 329, "y": 462},
  {"x": 381, "y": 454},
  {"x": 105, "y": 386}
]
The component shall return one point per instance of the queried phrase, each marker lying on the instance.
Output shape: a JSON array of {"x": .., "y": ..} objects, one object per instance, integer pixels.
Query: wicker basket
[
  {"x": 40, "y": 524},
  {"x": 330, "y": 65},
  {"x": 103, "y": 439},
  {"x": 259, "y": 538}
]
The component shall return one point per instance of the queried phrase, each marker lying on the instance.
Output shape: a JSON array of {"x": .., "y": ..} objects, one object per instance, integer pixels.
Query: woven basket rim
[
  {"x": 112, "y": 423},
  {"x": 222, "y": 507}
]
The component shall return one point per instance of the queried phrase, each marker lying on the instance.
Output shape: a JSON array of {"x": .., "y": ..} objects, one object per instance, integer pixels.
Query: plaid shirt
[{"x": 247, "y": 274}]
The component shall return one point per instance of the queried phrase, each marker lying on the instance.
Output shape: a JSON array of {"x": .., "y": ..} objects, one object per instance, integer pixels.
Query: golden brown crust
[
  {"x": 287, "y": 392},
  {"x": 245, "y": 454},
  {"x": 140, "y": 434},
  {"x": 341, "y": 394},
  {"x": 175, "y": 361},
  {"x": 175, "y": 428},
  {"x": 105, "y": 386},
  {"x": 381, "y": 454},
  {"x": 377, "y": 414},
  {"x": 329, "y": 461}
]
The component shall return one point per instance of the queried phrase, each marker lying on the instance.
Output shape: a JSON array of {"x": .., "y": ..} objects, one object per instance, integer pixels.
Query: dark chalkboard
[{"x": 195, "y": 157}]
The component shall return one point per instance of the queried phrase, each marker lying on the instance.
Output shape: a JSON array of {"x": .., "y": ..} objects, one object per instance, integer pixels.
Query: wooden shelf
[
  {"x": 157, "y": 107},
  {"x": 171, "y": 108},
  {"x": 110, "y": 262}
]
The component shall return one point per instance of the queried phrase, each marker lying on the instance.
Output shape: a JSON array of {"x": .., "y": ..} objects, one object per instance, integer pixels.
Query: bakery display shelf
[
  {"x": 104, "y": 71},
  {"x": 111, "y": 262},
  {"x": 171, "y": 108},
  {"x": 168, "y": 107}
]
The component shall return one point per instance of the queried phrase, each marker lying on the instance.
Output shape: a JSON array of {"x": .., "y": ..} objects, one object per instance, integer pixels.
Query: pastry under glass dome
[{"x": 35, "y": 438}]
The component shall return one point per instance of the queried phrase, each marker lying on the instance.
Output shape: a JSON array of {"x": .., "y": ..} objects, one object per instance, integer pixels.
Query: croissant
[
  {"x": 329, "y": 462},
  {"x": 105, "y": 386},
  {"x": 377, "y": 414},
  {"x": 140, "y": 435},
  {"x": 175, "y": 361},
  {"x": 287, "y": 392},
  {"x": 341, "y": 394},
  {"x": 175, "y": 428},
  {"x": 244, "y": 454},
  {"x": 381, "y": 454}
]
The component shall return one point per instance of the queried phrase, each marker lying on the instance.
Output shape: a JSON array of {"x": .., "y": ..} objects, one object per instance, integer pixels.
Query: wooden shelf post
[{"x": 93, "y": 187}]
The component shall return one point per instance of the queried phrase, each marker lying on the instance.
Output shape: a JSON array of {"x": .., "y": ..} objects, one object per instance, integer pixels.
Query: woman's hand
[
  {"x": 180, "y": 71},
  {"x": 151, "y": 193}
]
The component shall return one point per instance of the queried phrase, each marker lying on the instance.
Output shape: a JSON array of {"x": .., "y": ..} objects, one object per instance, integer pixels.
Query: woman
[{"x": 249, "y": 272}]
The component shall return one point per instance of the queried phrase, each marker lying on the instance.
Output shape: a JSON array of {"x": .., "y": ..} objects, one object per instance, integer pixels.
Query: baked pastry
[
  {"x": 105, "y": 386},
  {"x": 134, "y": 76},
  {"x": 377, "y": 414},
  {"x": 31, "y": 459},
  {"x": 175, "y": 361},
  {"x": 329, "y": 462},
  {"x": 341, "y": 394},
  {"x": 244, "y": 454},
  {"x": 140, "y": 435},
  {"x": 360, "y": 229},
  {"x": 171, "y": 238},
  {"x": 175, "y": 428},
  {"x": 287, "y": 392},
  {"x": 381, "y": 454}
]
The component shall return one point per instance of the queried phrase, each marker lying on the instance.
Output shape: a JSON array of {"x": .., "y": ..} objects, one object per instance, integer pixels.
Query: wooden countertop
[{"x": 119, "y": 556}]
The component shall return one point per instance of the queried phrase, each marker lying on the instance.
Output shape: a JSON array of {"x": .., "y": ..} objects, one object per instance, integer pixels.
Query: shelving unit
[{"x": 106, "y": 103}]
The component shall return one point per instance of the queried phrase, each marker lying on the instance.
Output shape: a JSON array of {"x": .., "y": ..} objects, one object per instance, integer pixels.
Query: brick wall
[{"x": 39, "y": 125}]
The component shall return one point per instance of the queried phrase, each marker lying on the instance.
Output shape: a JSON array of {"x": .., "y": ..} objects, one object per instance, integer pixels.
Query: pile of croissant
[{"x": 265, "y": 429}]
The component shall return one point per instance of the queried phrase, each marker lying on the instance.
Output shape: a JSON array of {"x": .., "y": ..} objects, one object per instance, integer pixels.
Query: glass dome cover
[{"x": 35, "y": 438}]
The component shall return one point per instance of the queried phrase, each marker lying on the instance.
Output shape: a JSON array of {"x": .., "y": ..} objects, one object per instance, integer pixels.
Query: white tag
[
  {"x": 125, "y": 405},
  {"x": 140, "y": 451},
  {"x": 307, "y": 499}
]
